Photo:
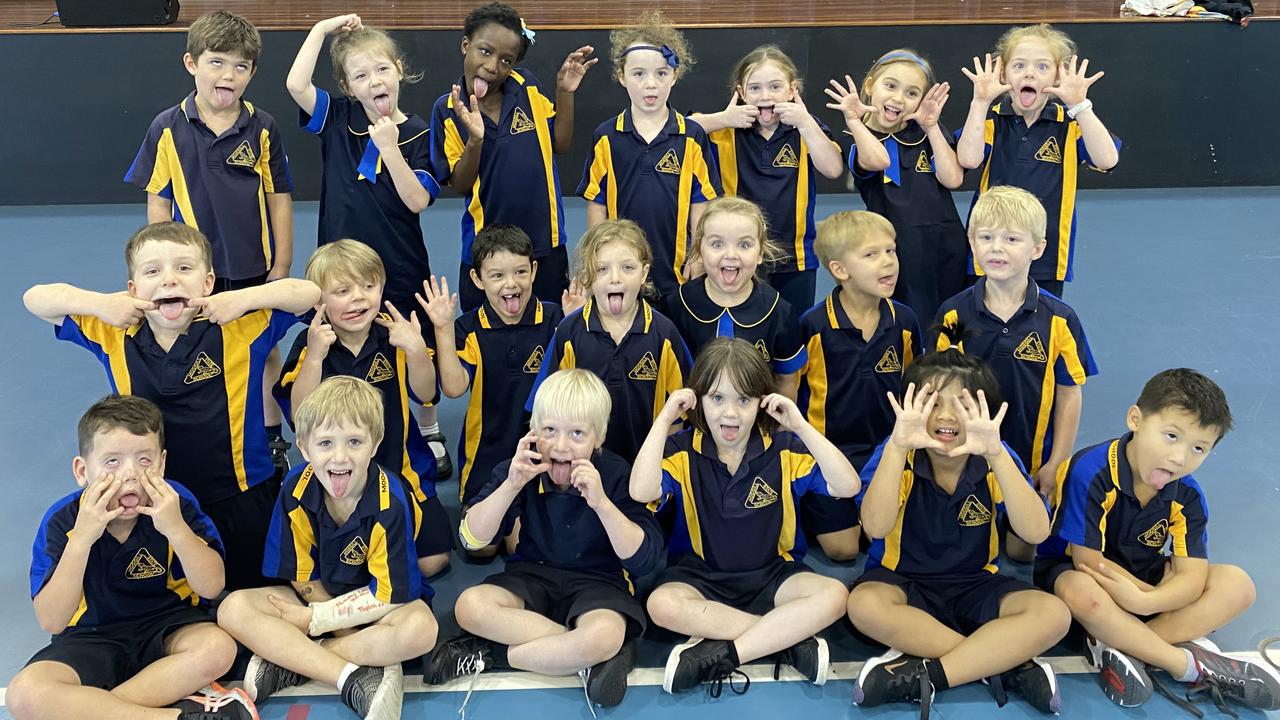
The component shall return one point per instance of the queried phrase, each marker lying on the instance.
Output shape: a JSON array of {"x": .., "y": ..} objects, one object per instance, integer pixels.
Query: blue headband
[
  {"x": 667, "y": 53},
  {"x": 901, "y": 55},
  {"x": 528, "y": 34}
]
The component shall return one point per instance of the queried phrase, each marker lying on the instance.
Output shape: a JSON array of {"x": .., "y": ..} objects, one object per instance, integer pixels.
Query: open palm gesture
[
  {"x": 847, "y": 100},
  {"x": 911, "y": 428},
  {"x": 929, "y": 112},
  {"x": 1073, "y": 82},
  {"x": 981, "y": 431},
  {"x": 988, "y": 79}
]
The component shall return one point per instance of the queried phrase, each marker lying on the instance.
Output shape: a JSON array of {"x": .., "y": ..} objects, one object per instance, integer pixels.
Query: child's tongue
[
  {"x": 340, "y": 481},
  {"x": 1028, "y": 96},
  {"x": 511, "y": 303},
  {"x": 171, "y": 309},
  {"x": 729, "y": 432},
  {"x": 1159, "y": 478},
  {"x": 129, "y": 501},
  {"x": 729, "y": 276},
  {"x": 615, "y": 303},
  {"x": 223, "y": 96},
  {"x": 561, "y": 472},
  {"x": 766, "y": 115},
  {"x": 383, "y": 105},
  {"x": 479, "y": 87}
]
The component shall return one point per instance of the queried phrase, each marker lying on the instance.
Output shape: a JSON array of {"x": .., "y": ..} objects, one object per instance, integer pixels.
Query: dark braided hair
[{"x": 498, "y": 14}]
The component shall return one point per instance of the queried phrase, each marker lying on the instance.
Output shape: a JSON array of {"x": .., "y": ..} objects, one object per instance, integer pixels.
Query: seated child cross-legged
[
  {"x": 118, "y": 571},
  {"x": 735, "y": 574},
  {"x": 343, "y": 536},
  {"x": 1119, "y": 504},
  {"x": 565, "y": 603},
  {"x": 932, "y": 591}
]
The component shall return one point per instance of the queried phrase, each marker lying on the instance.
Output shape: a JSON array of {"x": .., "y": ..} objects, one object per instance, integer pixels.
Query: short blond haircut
[
  {"x": 1060, "y": 44},
  {"x": 224, "y": 32},
  {"x": 651, "y": 28},
  {"x": 173, "y": 232},
  {"x": 770, "y": 253},
  {"x": 588, "y": 249},
  {"x": 575, "y": 395},
  {"x": 341, "y": 399},
  {"x": 346, "y": 44},
  {"x": 1009, "y": 208},
  {"x": 845, "y": 231},
  {"x": 346, "y": 261}
]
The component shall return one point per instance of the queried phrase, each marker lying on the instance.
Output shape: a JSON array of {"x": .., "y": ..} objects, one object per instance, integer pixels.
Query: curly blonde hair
[
  {"x": 1060, "y": 44},
  {"x": 651, "y": 28},
  {"x": 770, "y": 253},
  {"x": 346, "y": 44}
]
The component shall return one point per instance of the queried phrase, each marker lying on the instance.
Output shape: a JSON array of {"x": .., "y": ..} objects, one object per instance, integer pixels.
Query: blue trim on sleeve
[
  {"x": 319, "y": 113},
  {"x": 428, "y": 182},
  {"x": 792, "y": 365}
]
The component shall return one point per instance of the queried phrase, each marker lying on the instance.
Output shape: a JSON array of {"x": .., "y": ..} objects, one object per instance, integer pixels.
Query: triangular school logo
[
  {"x": 764, "y": 350},
  {"x": 1050, "y": 152},
  {"x": 203, "y": 368},
  {"x": 646, "y": 369},
  {"x": 973, "y": 513},
  {"x": 355, "y": 552},
  {"x": 243, "y": 156},
  {"x": 1031, "y": 349},
  {"x": 1155, "y": 536},
  {"x": 143, "y": 566},
  {"x": 922, "y": 163},
  {"x": 520, "y": 122},
  {"x": 380, "y": 369},
  {"x": 761, "y": 495},
  {"x": 786, "y": 158},
  {"x": 669, "y": 163},
  {"x": 889, "y": 362},
  {"x": 534, "y": 363}
]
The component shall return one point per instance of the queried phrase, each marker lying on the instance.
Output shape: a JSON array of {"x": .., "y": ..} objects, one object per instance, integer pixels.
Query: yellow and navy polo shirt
[
  {"x": 778, "y": 175},
  {"x": 907, "y": 193},
  {"x": 1042, "y": 159},
  {"x": 218, "y": 184},
  {"x": 358, "y": 198},
  {"x": 653, "y": 184},
  {"x": 1042, "y": 346},
  {"x": 844, "y": 386},
  {"x": 503, "y": 361},
  {"x": 641, "y": 372},
  {"x": 385, "y": 367},
  {"x": 763, "y": 319},
  {"x": 374, "y": 548},
  {"x": 209, "y": 387},
  {"x": 517, "y": 184},
  {"x": 741, "y": 521},
  {"x": 937, "y": 534},
  {"x": 141, "y": 577},
  {"x": 1097, "y": 509}
]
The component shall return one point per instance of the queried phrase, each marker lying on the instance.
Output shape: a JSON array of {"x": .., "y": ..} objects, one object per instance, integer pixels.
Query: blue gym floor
[{"x": 1167, "y": 278}]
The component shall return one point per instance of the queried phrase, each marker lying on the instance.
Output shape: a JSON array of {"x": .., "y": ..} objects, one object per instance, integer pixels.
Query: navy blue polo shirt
[
  {"x": 130, "y": 580},
  {"x": 844, "y": 387},
  {"x": 209, "y": 387},
  {"x": 374, "y": 548},
  {"x": 778, "y": 175},
  {"x": 1041, "y": 347},
  {"x": 651, "y": 363},
  {"x": 741, "y": 521},
  {"x": 653, "y": 183},
  {"x": 1044, "y": 160},
  {"x": 367, "y": 207},
  {"x": 518, "y": 183},
  {"x": 1097, "y": 509},
  {"x": 559, "y": 529},
  {"x": 908, "y": 192},
  {"x": 937, "y": 534},
  {"x": 218, "y": 184},
  {"x": 503, "y": 361},
  {"x": 385, "y": 367},
  {"x": 763, "y": 319}
]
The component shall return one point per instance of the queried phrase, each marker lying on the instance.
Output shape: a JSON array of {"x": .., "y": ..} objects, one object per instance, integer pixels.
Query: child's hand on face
[
  {"x": 782, "y": 409},
  {"x": 385, "y": 135},
  {"x": 930, "y": 110},
  {"x": 165, "y": 511},
  {"x": 222, "y": 308},
  {"x": 981, "y": 431},
  {"x": 1073, "y": 84},
  {"x": 527, "y": 463},
  {"x": 575, "y": 66},
  {"x": 738, "y": 115},
  {"x": 847, "y": 100},
  {"x": 586, "y": 480},
  {"x": 911, "y": 428},
  {"x": 320, "y": 335},
  {"x": 678, "y": 403},
  {"x": 574, "y": 297},
  {"x": 341, "y": 23},
  {"x": 469, "y": 115},
  {"x": 93, "y": 515},
  {"x": 794, "y": 113},
  {"x": 439, "y": 306},
  {"x": 988, "y": 82},
  {"x": 403, "y": 333},
  {"x": 122, "y": 310}
]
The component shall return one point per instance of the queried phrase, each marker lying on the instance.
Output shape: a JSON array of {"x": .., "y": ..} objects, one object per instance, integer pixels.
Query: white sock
[
  {"x": 1193, "y": 670},
  {"x": 346, "y": 673},
  {"x": 431, "y": 429}
]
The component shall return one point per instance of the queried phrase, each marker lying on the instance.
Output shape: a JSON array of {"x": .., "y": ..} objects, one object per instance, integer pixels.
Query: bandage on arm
[{"x": 356, "y": 608}]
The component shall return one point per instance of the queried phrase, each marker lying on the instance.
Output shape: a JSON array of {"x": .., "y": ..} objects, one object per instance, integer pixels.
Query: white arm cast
[{"x": 356, "y": 608}]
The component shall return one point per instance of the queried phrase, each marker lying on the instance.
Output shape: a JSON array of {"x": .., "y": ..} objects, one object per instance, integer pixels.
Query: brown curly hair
[{"x": 651, "y": 28}]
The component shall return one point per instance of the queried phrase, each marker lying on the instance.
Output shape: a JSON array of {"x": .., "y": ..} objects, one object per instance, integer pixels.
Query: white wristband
[
  {"x": 358, "y": 607},
  {"x": 1078, "y": 108}
]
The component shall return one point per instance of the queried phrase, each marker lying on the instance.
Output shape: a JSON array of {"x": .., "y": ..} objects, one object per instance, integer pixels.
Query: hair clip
[
  {"x": 528, "y": 34},
  {"x": 667, "y": 53}
]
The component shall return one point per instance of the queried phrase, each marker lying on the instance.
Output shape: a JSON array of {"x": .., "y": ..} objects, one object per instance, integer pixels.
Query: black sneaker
[
  {"x": 279, "y": 453},
  {"x": 375, "y": 693},
  {"x": 606, "y": 682},
  {"x": 1124, "y": 680},
  {"x": 1035, "y": 682},
  {"x": 702, "y": 661},
  {"x": 263, "y": 678},
  {"x": 463, "y": 656},
  {"x": 1256, "y": 685},
  {"x": 894, "y": 677},
  {"x": 444, "y": 465},
  {"x": 810, "y": 657},
  {"x": 217, "y": 703}
]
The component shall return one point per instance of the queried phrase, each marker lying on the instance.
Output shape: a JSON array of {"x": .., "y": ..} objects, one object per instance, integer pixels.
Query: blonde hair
[
  {"x": 575, "y": 395},
  {"x": 349, "y": 43},
  {"x": 1009, "y": 208},
  {"x": 844, "y": 231},
  {"x": 621, "y": 231},
  {"x": 344, "y": 261},
  {"x": 341, "y": 398},
  {"x": 905, "y": 56},
  {"x": 1060, "y": 44},
  {"x": 173, "y": 232},
  {"x": 766, "y": 54},
  {"x": 770, "y": 253},
  {"x": 651, "y": 28},
  {"x": 224, "y": 32}
]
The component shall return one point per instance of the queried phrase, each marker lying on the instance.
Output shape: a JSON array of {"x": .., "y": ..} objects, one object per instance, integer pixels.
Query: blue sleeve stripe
[{"x": 319, "y": 113}]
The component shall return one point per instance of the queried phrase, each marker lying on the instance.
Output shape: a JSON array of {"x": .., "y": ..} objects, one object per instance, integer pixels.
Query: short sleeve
[
  {"x": 594, "y": 186},
  {"x": 1074, "y": 361},
  {"x": 1083, "y": 151},
  {"x": 282, "y": 391},
  {"x": 675, "y": 470},
  {"x": 290, "y": 552},
  {"x": 1082, "y": 507},
  {"x": 806, "y": 475},
  {"x": 315, "y": 122},
  {"x": 417, "y": 153},
  {"x": 1189, "y": 523},
  {"x": 555, "y": 358},
  {"x": 392, "y": 560},
  {"x": 468, "y": 348},
  {"x": 106, "y": 342},
  {"x": 273, "y": 162},
  {"x": 858, "y": 172},
  {"x": 496, "y": 478},
  {"x": 789, "y": 352},
  {"x": 51, "y": 540},
  {"x": 152, "y": 169},
  {"x": 706, "y": 171},
  {"x": 448, "y": 141},
  {"x": 195, "y": 518}
]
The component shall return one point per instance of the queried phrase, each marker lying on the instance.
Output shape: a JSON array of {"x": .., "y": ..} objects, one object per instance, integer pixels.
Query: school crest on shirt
[
  {"x": 520, "y": 122},
  {"x": 889, "y": 362},
  {"x": 204, "y": 368},
  {"x": 380, "y": 370},
  {"x": 534, "y": 363},
  {"x": 922, "y": 163},
  {"x": 355, "y": 553},
  {"x": 973, "y": 513},
  {"x": 764, "y": 349},
  {"x": 143, "y": 566},
  {"x": 243, "y": 156},
  {"x": 1155, "y": 535},
  {"x": 645, "y": 369},
  {"x": 786, "y": 158},
  {"x": 1050, "y": 152},
  {"x": 761, "y": 495},
  {"x": 669, "y": 164},
  {"x": 1031, "y": 349}
]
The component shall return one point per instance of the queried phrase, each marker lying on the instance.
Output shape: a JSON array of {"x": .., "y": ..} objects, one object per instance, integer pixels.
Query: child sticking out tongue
[{"x": 479, "y": 87}]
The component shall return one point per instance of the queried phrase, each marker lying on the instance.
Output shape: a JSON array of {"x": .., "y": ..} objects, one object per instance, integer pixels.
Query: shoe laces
[
  {"x": 212, "y": 703},
  {"x": 472, "y": 664},
  {"x": 1206, "y": 686},
  {"x": 1211, "y": 685},
  {"x": 723, "y": 677},
  {"x": 585, "y": 676},
  {"x": 996, "y": 683}
]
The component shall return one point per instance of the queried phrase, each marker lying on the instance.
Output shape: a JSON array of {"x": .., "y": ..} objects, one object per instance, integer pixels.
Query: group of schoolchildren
[{"x": 724, "y": 422}]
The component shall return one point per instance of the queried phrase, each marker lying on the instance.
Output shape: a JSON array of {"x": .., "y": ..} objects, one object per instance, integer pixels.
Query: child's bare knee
[
  {"x": 1235, "y": 585},
  {"x": 471, "y": 606},
  {"x": 601, "y": 642},
  {"x": 1052, "y": 615},
  {"x": 433, "y": 565},
  {"x": 864, "y": 606},
  {"x": 23, "y": 697},
  {"x": 662, "y": 607},
  {"x": 418, "y": 631},
  {"x": 1082, "y": 595},
  {"x": 840, "y": 546},
  {"x": 236, "y": 611}
]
